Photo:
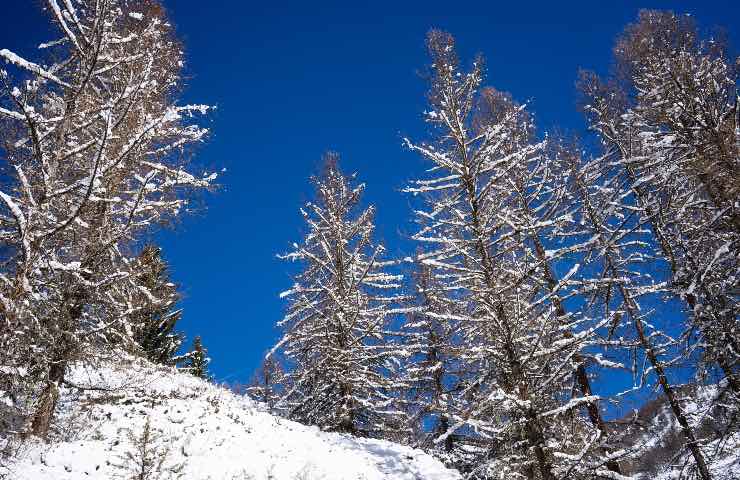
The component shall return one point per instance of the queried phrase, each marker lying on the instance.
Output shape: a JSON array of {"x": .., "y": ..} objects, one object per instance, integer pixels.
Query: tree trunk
[
  {"x": 536, "y": 440},
  {"x": 42, "y": 417},
  {"x": 673, "y": 401},
  {"x": 41, "y": 420}
]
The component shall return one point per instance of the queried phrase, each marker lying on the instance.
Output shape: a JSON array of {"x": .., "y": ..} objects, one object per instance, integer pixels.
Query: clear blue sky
[{"x": 293, "y": 79}]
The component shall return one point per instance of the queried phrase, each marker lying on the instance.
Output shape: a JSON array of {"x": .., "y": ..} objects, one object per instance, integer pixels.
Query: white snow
[
  {"x": 11, "y": 57},
  {"x": 216, "y": 434}
]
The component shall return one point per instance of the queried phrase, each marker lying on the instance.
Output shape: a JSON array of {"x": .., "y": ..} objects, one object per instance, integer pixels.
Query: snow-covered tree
[
  {"x": 94, "y": 143},
  {"x": 430, "y": 372},
  {"x": 336, "y": 330},
  {"x": 148, "y": 457},
  {"x": 196, "y": 361},
  {"x": 668, "y": 122},
  {"x": 493, "y": 200},
  {"x": 623, "y": 281},
  {"x": 671, "y": 118},
  {"x": 267, "y": 382}
]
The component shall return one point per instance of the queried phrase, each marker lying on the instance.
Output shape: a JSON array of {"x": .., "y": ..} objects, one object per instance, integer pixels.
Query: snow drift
[{"x": 205, "y": 430}]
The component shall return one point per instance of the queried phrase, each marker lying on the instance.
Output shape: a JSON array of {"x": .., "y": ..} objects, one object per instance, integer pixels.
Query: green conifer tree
[
  {"x": 197, "y": 360},
  {"x": 154, "y": 323}
]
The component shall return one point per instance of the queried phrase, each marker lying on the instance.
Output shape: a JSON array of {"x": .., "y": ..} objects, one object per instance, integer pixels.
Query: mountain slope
[
  {"x": 653, "y": 432},
  {"x": 202, "y": 431}
]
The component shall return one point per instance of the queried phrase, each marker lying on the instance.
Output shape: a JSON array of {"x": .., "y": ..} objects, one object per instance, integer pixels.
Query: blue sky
[{"x": 294, "y": 79}]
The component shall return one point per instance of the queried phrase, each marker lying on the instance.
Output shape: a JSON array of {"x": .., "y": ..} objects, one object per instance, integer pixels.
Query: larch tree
[
  {"x": 670, "y": 116},
  {"x": 94, "y": 142},
  {"x": 431, "y": 370},
  {"x": 340, "y": 308},
  {"x": 623, "y": 281},
  {"x": 668, "y": 120},
  {"x": 267, "y": 382},
  {"x": 493, "y": 199}
]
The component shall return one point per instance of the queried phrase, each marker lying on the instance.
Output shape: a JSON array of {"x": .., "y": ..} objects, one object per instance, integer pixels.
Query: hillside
[
  {"x": 654, "y": 432},
  {"x": 201, "y": 431}
]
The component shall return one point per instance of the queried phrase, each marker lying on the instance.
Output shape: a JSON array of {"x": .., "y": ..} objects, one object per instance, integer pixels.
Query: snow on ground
[{"x": 213, "y": 433}]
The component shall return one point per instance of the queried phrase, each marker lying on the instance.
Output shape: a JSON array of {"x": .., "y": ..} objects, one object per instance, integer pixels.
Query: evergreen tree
[
  {"x": 154, "y": 322},
  {"x": 197, "y": 361},
  {"x": 147, "y": 457},
  {"x": 336, "y": 330}
]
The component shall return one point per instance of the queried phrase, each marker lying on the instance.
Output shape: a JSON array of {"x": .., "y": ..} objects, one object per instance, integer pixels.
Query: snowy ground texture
[{"x": 212, "y": 433}]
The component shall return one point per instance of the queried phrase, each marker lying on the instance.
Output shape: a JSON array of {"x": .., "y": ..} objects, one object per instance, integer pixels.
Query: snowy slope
[
  {"x": 212, "y": 432},
  {"x": 662, "y": 455}
]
